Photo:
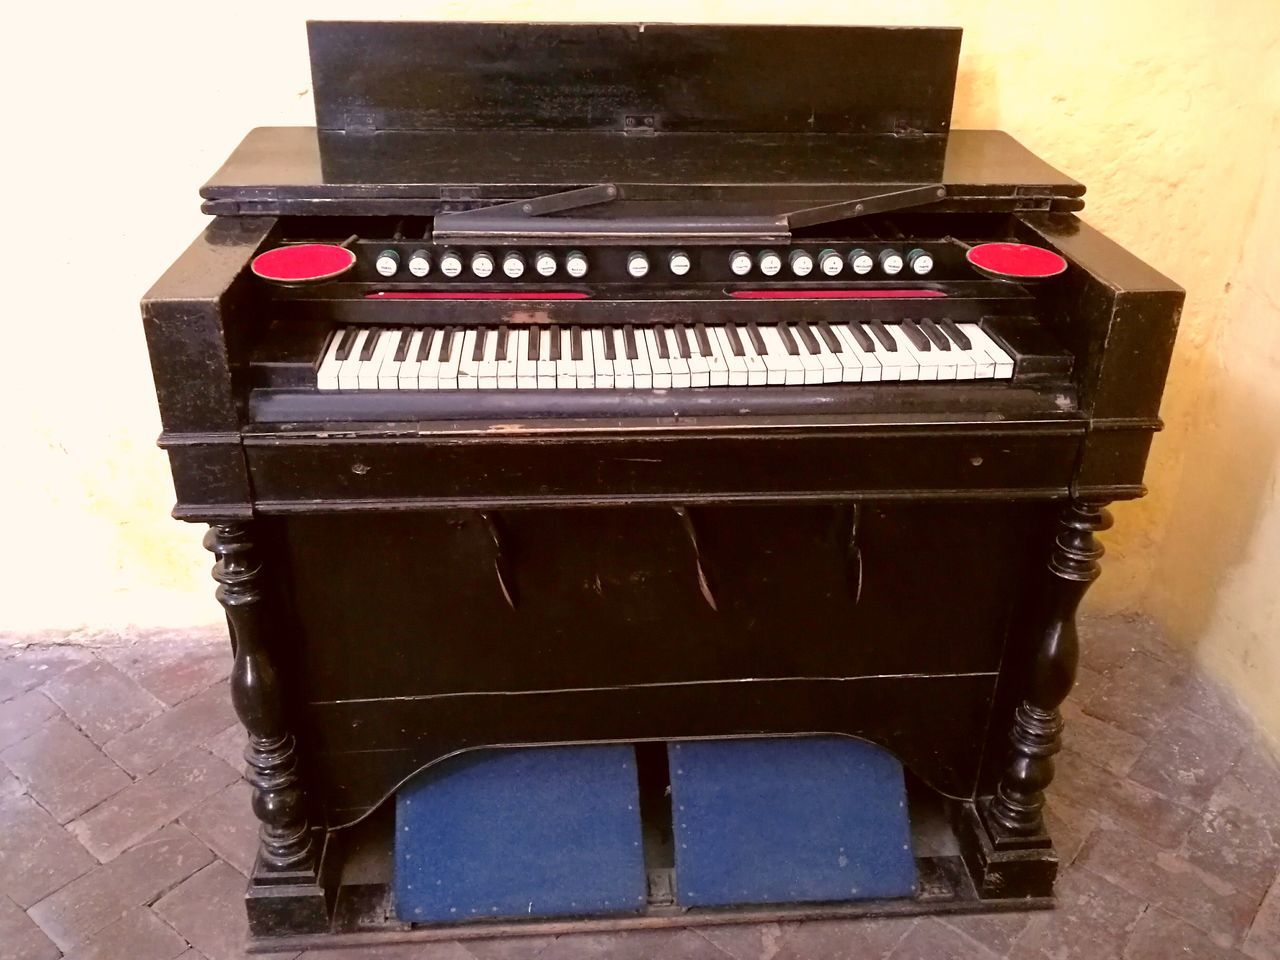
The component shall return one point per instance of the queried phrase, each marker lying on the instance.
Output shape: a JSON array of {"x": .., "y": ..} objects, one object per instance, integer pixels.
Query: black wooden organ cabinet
[{"x": 671, "y": 382}]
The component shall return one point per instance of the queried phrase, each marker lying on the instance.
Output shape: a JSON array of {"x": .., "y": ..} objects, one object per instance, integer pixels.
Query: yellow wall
[{"x": 1167, "y": 110}]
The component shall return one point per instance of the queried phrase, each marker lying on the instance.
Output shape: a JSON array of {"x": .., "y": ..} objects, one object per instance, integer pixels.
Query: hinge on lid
[
  {"x": 639, "y": 125},
  {"x": 361, "y": 123}
]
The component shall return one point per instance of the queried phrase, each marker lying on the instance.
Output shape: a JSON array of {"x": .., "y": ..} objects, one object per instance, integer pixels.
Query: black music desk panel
[{"x": 652, "y": 472}]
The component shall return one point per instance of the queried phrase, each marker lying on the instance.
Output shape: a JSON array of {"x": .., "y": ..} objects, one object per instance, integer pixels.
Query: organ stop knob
[
  {"x": 482, "y": 264},
  {"x": 920, "y": 262},
  {"x": 740, "y": 263},
  {"x": 830, "y": 262},
  {"x": 513, "y": 265},
  {"x": 544, "y": 261},
  {"x": 388, "y": 263},
  {"x": 420, "y": 263},
  {"x": 451, "y": 263},
  {"x": 801, "y": 263},
  {"x": 575, "y": 264},
  {"x": 891, "y": 262},
  {"x": 860, "y": 261},
  {"x": 770, "y": 263},
  {"x": 637, "y": 264},
  {"x": 679, "y": 262}
]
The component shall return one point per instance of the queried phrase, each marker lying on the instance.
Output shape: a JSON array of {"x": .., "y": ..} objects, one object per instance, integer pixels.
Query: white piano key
[
  {"x": 717, "y": 364},
  {"x": 507, "y": 366},
  {"x": 584, "y": 369},
  {"x": 832, "y": 368},
  {"x": 448, "y": 379},
  {"x": 948, "y": 367},
  {"x": 407, "y": 375},
  {"x": 641, "y": 371},
  {"x": 593, "y": 339},
  {"x": 389, "y": 372},
  {"x": 622, "y": 375},
  {"x": 775, "y": 365},
  {"x": 736, "y": 372},
  {"x": 526, "y": 369},
  {"x": 984, "y": 366},
  {"x": 468, "y": 367},
  {"x": 699, "y": 366},
  {"x": 791, "y": 365},
  {"x": 757, "y": 372},
  {"x": 660, "y": 366},
  {"x": 370, "y": 368},
  {"x": 680, "y": 375},
  {"x": 327, "y": 375},
  {"x": 487, "y": 370},
  {"x": 349, "y": 372},
  {"x": 566, "y": 369},
  {"x": 908, "y": 359},
  {"x": 546, "y": 366},
  {"x": 850, "y": 362},
  {"x": 429, "y": 366},
  {"x": 869, "y": 361},
  {"x": 1003, "y": 362}
]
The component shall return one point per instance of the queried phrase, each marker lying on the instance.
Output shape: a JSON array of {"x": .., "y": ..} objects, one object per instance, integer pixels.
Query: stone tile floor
[{"x": 125, "y": 831}]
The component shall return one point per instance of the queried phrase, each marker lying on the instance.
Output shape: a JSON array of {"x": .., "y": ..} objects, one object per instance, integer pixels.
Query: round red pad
[
  {"x": 303, "y": 263},
  {"x": 1015, "y": 261}
]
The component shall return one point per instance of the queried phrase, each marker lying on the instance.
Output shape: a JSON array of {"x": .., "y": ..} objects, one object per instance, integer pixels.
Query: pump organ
[{"x": 643, "y": 410}]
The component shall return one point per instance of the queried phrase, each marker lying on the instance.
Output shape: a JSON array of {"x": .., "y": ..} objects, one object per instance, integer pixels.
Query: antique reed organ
[{"x": 611, "y": 384}]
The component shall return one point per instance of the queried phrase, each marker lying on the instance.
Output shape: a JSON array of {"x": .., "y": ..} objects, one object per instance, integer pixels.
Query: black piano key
[
  {"x": 555, "y": 344},
  {"x": 915, "y": 335},
  {"x": 575, "y": 343},
  {"x": 704, "y": 342},
  {"x": 936, "y": 336},
  {"x": 883, "y": 335},
  {"x": 500, "y": 352},
  {"x": 829, "y": 337},
  {"x": 788, "y": 340},
  {"x": 535, "y": 342},
  {"x": 757, "y": 341},
  {"x": 477, "y": 349},
  {"x": 348, "y": 341},
  {"x": 960, "y": 338},
  {"x": 808, "y": 339},
  {"x": 660, "y": 334},
  {"x": 629, "y": 341},
  {"x": 446, "y": 343},
  {"x": 402, "y": 346},
  {"x": 682, "y": 341},
  {"x": 424, "y": 344},
  {"x": 735, "y": 341},
  {"x": 610, "y": 344},
  {"x": 860, "y": 337},
  {"x": 370, "y": 343}
]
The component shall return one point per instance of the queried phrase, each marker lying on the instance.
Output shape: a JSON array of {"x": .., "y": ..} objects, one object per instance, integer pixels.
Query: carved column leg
[
  {"x": 284, "y": 895},
  {"x": 1015, "y": 857}
]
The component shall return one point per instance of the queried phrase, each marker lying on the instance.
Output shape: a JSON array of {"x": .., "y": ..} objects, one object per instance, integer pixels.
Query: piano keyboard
[{"x": 672, "y": 356}]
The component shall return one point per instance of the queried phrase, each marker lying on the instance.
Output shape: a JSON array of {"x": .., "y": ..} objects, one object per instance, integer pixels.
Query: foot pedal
[{"x": 788, "y": 820}]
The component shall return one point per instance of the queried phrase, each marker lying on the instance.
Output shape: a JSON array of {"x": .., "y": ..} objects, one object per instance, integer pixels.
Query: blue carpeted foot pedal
[
  {"x": 540, "y": 832},
  {"x": 796, "y": 819}
]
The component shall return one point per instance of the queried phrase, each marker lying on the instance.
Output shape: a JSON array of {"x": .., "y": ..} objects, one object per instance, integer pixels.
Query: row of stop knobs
[{"x": 769, "y": 263}]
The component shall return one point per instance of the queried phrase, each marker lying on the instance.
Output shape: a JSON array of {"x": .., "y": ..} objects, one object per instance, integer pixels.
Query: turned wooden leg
[
  {"x": 284, "y": 895},
  {"x": 1037, "y": 725},
  {"x": 1003, "y": 839},
  {"x": 255, "y": 692}
]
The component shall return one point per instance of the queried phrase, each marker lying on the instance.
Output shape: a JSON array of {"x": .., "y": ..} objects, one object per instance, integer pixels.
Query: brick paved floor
[{"x": 125, "y": 831}]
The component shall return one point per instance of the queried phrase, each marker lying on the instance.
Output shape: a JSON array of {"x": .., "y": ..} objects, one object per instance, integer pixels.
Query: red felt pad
[
  {"x": 303, "y": 263},
  {"x": 477, "y": 295},
  {"x": 907, "y": 293},
  {"x": 1016, "y": 260}
]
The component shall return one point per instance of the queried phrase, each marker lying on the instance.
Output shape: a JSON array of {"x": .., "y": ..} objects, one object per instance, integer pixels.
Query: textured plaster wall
[{"x": 1167, "y": 110}]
